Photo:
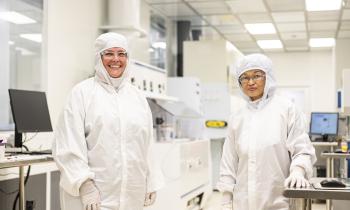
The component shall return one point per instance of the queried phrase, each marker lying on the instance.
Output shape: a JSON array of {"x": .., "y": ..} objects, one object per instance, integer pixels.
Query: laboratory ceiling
[{"x": 226, "y": 18}]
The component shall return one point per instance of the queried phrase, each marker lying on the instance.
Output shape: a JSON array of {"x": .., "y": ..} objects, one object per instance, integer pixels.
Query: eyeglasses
[
  {"x": 257, "y": 77},
  {"x": 111, "y": 55}
]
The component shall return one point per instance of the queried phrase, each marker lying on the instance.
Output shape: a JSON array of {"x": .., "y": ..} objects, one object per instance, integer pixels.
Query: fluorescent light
[
  {"x": 260, "y": 28},
  {"x": 323, "y": 5},
  {"x": 270, "y": 44},
  {"x": 11, "y": 42},
  {"x": 321, "y": 42},
  {"x": 32, "y": 37},
  {"x": 16, "y": 18}
]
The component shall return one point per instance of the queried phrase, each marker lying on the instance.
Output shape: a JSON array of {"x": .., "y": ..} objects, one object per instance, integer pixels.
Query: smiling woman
[{"x": 20, "y": 41}]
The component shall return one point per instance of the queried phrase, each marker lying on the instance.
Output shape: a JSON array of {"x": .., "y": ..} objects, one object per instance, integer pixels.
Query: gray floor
[{"x": 215, "y": 199}]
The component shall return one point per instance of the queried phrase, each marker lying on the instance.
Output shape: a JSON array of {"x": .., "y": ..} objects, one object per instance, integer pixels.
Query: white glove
[
  {"x": 297, "y": 178},
  {"x": 226, "y": 202},
  {"x": 150, "y": 198},
  {"x": 90, "y": 196}
]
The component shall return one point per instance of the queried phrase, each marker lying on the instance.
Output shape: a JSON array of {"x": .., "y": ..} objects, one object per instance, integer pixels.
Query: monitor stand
[{"x": 324, "y": 138}]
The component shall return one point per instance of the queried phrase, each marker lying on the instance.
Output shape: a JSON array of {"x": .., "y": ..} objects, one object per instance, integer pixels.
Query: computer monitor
[
  {"x": 30, "y": 113},
  {"x": 324, "y": 123}
]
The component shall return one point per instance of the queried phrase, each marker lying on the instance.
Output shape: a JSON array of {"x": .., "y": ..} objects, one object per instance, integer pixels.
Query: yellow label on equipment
[{"x": 215, "y": 124}]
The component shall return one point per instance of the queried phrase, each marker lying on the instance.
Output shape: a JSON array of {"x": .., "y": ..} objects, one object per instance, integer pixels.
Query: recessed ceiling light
[
  {"x": 270, "y": 44},
  {"x": 11, "y": 42},
  {"x": 323, "y": 5},
  {"x": 260, "y": 28},
  {"x": 32, "y": 37},
  {"x": 16, "y": 18},
  {"x": 321, "y": 42}
]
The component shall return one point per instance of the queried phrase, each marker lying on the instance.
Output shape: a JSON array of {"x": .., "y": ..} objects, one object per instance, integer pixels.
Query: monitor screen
[
  {"x": 30, "y": 112},
  {"x": 323, "y": 123}
]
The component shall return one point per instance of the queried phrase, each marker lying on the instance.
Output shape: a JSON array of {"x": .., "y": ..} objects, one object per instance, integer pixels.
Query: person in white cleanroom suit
[
  {"x": 103, "y": 137},
  {"x": 267, "y": 147}
]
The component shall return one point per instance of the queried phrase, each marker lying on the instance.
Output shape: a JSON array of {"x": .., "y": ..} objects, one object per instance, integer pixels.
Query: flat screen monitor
[
  {"x": 30, "y": 113},
  {"x": 324, "y": 123}
]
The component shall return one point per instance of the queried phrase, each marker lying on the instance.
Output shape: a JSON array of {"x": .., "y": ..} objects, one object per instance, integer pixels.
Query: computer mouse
[{"x": 332, "y": 183}]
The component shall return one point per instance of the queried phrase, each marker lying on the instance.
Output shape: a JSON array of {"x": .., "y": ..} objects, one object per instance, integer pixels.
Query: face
[
  {"x": 253, "y": 83},
  {"x": 114, "y": 60}
]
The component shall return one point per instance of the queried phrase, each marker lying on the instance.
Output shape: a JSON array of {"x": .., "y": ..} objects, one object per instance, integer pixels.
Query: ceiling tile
[
  {"x": 246, "y": 6},
  {"x": 174, "y": 9},
  {"x": 346, "y": 14},
  {"x": 322, "y": 34},
  {"x": 232, "y": 29},
  {"x": 345, "y": 25},
  {"x": 162, "y": 1},
  {"x": 323, "y": 15},
  {"x": 297, "y": 49},
  {"x": 266, "y": 36},
  {"x": 293, "y": 35},
  {"x": 347, "y": 4},
  {"x": 239, "y": 37},
  {"x": 246, "y": 45},
  {"x": 285, "y": 5},
  {"x": 296, "y": 43},
  {"x": 283, "y": 17},
  {"x": 291, "y": 27},
  {"x": 211, "y": 7},
  {"x": 250, "y": 50},
  {"x": 213, "y": 11},
  {"x": 255, "y": 18},
  {"x": 221, "y": 19},
  {"x": 323, "y": 26},
  {"x": 344, "y": 34}
]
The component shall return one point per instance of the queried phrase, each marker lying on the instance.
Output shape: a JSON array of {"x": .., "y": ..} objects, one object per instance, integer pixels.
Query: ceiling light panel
[
  {"x": 221, "y": 19},
  {"x": 270, "y": 44},
  {"x": 266, "y": 36},
  {"x": 255, "y": 18},
  {"x": 286, "y": 5},
  {"x": 322, "y": 26},
  {"x": 322, "y": 42},
  {"x": 174, "y": 9},
  {"x": 16, "y": 18},
  {"x": 260, "y": 28},
  {"x": 32, "y": 37},
  {"x": 346, "y": 14},
  {"x": 246, "y": 6},
  {"x": 293, "y": 35},
  {"x": 286, "y": 17},
  {"x": 324, "y": 5},
  {"x": 291, "y": 27},
  {"x": 323, "y": 15}
]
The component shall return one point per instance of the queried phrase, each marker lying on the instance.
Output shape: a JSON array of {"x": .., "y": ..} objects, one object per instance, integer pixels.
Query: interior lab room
[{"x": 174, "y": 104}]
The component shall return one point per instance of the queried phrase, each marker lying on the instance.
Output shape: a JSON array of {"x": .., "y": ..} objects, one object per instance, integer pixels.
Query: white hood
[
  {"x": 103, "y": 42},
  {"x": 261, "y": 62}
]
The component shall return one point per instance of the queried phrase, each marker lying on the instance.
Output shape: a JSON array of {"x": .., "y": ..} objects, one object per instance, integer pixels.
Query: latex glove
[
  {"x": 226, "y": 202},
  {"x": 297, "y": 178},
  {"x": 90, "y": 196},
  {"x": 150, "y": 198}
]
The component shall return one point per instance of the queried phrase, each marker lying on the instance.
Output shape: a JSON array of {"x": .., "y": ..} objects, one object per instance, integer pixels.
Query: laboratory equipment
[
  {"x": 30, "y": 113},
  {"x": 324, "y": 124}
]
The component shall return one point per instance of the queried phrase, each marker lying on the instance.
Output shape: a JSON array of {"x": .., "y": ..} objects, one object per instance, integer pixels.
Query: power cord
[{"x": 25, "y": 182}]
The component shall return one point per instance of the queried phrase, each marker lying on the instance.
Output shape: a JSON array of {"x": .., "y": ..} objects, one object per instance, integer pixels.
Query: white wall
[
  {"x": 341, "y": 59},
  {"x": 308, "y": 70}
]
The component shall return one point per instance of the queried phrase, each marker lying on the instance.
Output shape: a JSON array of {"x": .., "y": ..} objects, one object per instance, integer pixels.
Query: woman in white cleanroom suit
[
  {"x": 267, "y": 147},
  {"x": 103, "y": 137}
]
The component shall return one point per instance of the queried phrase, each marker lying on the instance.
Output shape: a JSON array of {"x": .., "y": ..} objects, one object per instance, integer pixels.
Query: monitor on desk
[
  {"x": 324, "y": 124},
  {"x": 30, "y": 113}
]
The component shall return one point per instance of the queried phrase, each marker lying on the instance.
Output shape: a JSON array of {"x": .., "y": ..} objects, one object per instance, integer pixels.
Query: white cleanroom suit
[
  {"x": 104, "y": 135},
  {"x": 266, "y": 140}
]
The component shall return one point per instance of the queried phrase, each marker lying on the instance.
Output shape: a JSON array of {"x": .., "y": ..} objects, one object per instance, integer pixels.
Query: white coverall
[
  {"x": 104, "y": 134},
  {"x": 266, "y": 138}
]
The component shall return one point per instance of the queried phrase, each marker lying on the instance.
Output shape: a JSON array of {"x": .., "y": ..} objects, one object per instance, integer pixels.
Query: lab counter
[{"x": 312, "y": 193}]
